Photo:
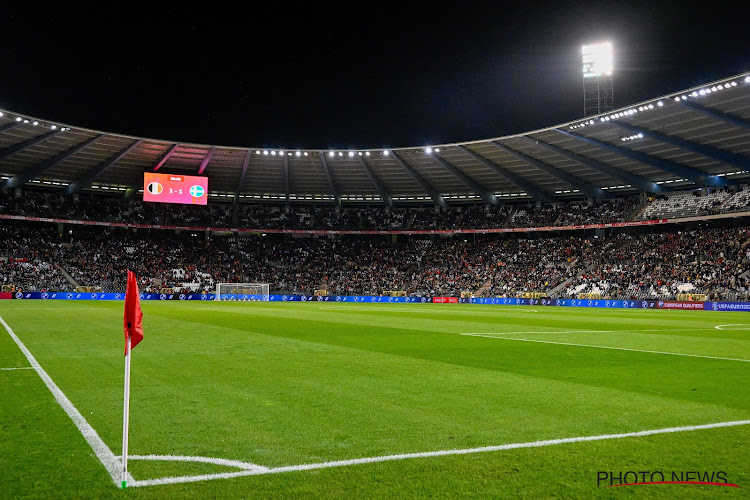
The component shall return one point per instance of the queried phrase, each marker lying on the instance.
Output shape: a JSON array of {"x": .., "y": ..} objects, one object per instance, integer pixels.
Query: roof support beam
[
  {"x": 243, "y": 174},
  {"x": 719, "y": 115},
  {"x": 520, "y": 182},
  {"x": 10, "y": 150},
  {"x": 9, "y": 126},
  {"x": 206, "y": 159},
  {"x": 690, "y": 173},
  {"x": 327, "y": 171},
  {"x": 467, "y": 181},
  {"x": 431, "y": 191},
  {"x": 729, "y": 157},
  {"x": 384, "y": 195},
  {"x": 636, "y": 181},
  {"x": 287, "y": 190},
  {"x": 92, "y": 174},
  {"x": 578, "y": 183},
  {"x": 164, "y": 158},
  {"x": 35, "y": 171}
]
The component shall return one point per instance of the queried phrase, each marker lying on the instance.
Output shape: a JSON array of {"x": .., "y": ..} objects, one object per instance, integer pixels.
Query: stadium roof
[{"x": 697, "y": 137}]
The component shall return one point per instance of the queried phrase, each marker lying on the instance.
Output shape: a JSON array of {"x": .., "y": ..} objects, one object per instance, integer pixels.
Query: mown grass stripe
[
  {"x": 102, "y": 451},
  {"x": 502, "y": 337}
]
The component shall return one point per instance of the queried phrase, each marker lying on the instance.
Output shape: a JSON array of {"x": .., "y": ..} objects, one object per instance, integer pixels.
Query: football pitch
[{"x": 332, "y": 400}]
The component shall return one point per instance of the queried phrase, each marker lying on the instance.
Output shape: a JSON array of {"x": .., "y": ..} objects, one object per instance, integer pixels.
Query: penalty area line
[
  {"x": 428, "y": 454},
  {"x": 492, "y": 336},
  {"x": 102, "y": 451}
]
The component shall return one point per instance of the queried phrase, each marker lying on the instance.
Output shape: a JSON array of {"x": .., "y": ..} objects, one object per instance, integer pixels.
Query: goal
[{"x": 242, "y": 291}]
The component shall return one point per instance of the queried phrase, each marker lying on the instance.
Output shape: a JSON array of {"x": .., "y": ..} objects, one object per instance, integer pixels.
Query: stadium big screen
[{"x": 173, "y": 188}]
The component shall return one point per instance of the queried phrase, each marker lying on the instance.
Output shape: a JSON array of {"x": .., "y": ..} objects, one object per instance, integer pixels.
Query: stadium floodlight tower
[{"x": 597, "y": 78}]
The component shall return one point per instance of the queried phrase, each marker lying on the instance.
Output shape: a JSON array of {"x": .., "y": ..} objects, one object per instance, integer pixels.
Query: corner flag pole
[
  {"x": 133, "y": 326},
  {"x": 126, "y": 418}
]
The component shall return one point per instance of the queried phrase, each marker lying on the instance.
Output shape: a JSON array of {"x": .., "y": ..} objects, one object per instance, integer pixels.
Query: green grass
[{"x": 287, "y": 384}]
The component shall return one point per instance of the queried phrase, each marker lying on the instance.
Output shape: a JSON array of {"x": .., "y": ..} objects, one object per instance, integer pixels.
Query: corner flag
[{"x": 133, "y": 321}]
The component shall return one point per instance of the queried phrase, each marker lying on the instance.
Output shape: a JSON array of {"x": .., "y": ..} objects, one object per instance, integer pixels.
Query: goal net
[{"x": 242, "y": 291}]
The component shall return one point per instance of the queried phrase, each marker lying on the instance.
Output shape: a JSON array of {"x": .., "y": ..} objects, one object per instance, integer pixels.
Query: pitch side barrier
[{"x": 597, "y": 303}]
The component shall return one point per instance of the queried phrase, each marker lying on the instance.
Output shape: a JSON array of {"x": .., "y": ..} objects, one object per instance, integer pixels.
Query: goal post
[{"x": 242, "y": 291}]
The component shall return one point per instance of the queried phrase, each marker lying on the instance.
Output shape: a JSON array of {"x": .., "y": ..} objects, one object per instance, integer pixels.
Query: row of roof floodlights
[
  {"x": 692, "y": 94},
  {"x": 264, "y": 152},
  {"x": 35, "y": 122}
]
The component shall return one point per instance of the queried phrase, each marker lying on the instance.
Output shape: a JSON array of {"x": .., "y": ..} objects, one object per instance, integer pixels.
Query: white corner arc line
[
  {"x": 609, "y": 347},
  {"x": 206, "y": 460},
  {"x": 102, "y": 451},
  {"x": 427, "y": 454}
]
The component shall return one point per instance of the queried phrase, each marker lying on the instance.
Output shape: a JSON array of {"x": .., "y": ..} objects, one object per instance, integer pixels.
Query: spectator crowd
[{"x": 657, "y": 264}]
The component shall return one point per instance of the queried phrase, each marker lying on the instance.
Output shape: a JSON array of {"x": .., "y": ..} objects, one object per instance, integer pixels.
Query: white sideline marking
[
  {"x": 102, "y": 451},
  {"x": 488, "y": 334},
  {"x": 405, "y": 456},
  {"x": 207, "y": 460},
  {"x": 491, "y": 336},
  {"x": 19, "y": 368}
]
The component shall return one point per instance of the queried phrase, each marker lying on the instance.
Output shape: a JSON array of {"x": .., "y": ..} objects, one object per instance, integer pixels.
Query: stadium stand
[
  {"x": 561, "y": 211},
  {"x": 657, "y": 264},
  {"x": 687, "y": 204}
]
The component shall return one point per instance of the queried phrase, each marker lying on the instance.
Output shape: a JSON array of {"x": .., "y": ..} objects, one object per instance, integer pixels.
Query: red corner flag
[{"x": 133, "y": 320}]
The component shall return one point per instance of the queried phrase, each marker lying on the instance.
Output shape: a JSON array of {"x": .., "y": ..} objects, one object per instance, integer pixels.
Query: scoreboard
[{"x": 173, "y": 188}]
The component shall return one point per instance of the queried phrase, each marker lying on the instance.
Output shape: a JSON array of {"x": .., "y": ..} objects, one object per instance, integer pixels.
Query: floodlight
[{"x": 597, "y": 59}]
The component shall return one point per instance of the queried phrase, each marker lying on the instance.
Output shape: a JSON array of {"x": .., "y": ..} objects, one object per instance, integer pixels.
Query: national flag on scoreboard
[{"x": 133, "y": 319}]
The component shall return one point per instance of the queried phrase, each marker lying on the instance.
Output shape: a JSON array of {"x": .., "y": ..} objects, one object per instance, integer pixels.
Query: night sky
[{"x": 348, "y": 76}]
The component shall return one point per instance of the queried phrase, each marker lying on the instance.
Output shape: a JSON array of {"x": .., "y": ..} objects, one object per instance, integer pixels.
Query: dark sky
[{"x": 347, "y": 75}]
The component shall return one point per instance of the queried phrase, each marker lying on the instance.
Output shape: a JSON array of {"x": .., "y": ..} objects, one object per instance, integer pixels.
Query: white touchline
[
  {"x": 427, "y": 454},
  {"x": 18, "y": 368},
  {"x": 102, "y": 451},
  {"x": 489, "y": 334},
  {"x": 492, "y": 336}
]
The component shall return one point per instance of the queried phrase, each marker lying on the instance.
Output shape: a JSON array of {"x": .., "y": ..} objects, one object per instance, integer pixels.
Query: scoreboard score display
[{"x": 174, "y": 188}]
